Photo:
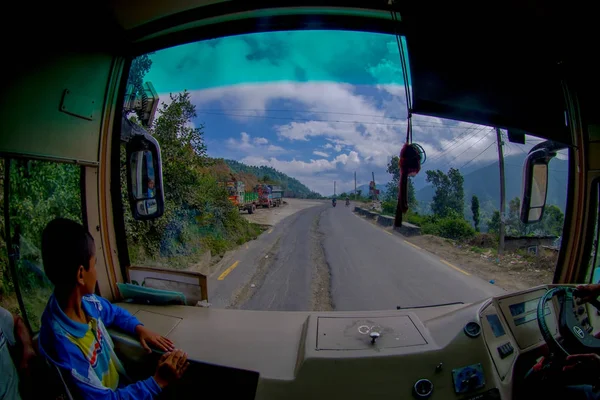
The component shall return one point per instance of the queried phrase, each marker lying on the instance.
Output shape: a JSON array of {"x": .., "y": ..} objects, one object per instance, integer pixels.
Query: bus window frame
[
  {"x": 592, "y": 245},
  {"x": 8, "y": 231}
]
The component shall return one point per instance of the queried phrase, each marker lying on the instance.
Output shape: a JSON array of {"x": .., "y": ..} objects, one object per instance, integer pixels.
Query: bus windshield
[{"x": 260, "y": 133}]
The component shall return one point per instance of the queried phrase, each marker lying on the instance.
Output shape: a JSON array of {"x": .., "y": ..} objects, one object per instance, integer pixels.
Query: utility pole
[
  {"x": 501, "y": 165},
  {"x": 334, "y": 188},
  {"x": 354, "y": 185},
  {"x": 375, "y": 197}
]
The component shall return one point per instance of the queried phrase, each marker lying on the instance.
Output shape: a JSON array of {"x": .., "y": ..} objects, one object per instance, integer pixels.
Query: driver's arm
[{"x": 587, "y": 293}]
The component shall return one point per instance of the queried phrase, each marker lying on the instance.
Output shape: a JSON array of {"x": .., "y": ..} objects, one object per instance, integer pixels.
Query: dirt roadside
[
  {"x": 511, "y": 272},
  {"x": 271, "y": 216}
]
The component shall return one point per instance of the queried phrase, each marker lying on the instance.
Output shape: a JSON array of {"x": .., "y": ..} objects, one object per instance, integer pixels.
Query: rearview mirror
[
  {"x": 535, "y": 185},
  {"x": 144, "y": 178}
]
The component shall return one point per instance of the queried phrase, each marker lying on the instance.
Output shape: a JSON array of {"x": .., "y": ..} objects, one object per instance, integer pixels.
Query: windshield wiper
[{"x": 432, "y": 305}]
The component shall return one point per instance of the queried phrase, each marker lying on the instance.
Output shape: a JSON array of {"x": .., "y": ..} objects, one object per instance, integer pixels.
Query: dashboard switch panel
[
  {"x": 469, "y": 378},
  {"x": 505, "y": 350}
]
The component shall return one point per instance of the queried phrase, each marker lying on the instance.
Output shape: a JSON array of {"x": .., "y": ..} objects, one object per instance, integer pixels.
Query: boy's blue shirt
[{"x": 85, "y": 352}]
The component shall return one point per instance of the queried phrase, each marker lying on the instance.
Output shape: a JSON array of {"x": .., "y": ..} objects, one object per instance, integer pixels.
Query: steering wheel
[{"x": 575, "y": 339}]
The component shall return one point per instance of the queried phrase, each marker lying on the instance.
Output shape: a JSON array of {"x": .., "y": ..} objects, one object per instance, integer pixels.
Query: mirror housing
[
  {"x": 144, "y": 177},
  {"x": 535, "y": 181}
]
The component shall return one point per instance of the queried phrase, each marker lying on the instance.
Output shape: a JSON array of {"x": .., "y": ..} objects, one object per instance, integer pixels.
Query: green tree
[
  {"x": 139, "y": 68},
  {"x": 514, "y": 226},
  {"x": 182, "y": 147},
  {"x": 198, "y": 214},
  {"x": 552, "y": 221},
  {"x": 475, "y": 211},
  {"x": 457, "y": 193},
  {"x": 493, "y": 224},
  {"x": 449, "y": 192}
]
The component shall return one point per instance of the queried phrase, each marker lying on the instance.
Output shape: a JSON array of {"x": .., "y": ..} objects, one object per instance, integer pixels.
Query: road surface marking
[
  {"x": 246, "y": 247},
  {"x": 389, "y": 233},
  {"x": 456, "y": 268},
  {"x": 228, "y": 271},
  {"x": 413, "y": 245},
  {"x": 270, "y": 230}
]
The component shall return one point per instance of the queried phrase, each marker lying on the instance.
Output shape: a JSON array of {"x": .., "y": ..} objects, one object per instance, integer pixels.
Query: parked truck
[
  {"x": 276, "y": 195},
  {"x": 245, "y": 201},
  {"x": 265, "y": 195}
]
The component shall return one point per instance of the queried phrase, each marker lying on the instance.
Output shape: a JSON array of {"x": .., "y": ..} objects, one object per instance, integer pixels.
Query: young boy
[{"x": 73, "y": 334}]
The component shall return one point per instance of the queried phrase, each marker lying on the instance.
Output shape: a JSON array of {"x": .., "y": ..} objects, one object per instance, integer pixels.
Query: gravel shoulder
[
  {"x": 272, "y": 216},
  {"x": 511, "y": 272}
]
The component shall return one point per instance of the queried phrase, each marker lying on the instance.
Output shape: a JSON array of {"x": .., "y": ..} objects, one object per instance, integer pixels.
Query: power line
[
  {"x": 549, "y": 169},
  {"x": 467, "y": 163},
  {"x": 299, "y": 119},
  {"x": 480, "y": 139},
  {"x": 303, "y": 112},
  {"x": 456, "y": 142},
  {"x": 331, "y": 120},
  {"x": 519, "y": 147}
]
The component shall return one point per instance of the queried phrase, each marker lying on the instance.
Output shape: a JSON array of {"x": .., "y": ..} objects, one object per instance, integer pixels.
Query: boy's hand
[
  {"x": 170, "y": 368},
  {"x": 147, "y": 338}
]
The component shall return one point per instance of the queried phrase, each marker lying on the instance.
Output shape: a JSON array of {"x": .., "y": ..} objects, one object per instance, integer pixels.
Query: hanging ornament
[{"x": 412, "y": 156}]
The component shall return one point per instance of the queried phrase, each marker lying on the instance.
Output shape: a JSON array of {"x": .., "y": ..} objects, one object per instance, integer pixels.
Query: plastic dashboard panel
[
  {"x": 519, "y": 313},
  {"x": 495, "y": 339}
]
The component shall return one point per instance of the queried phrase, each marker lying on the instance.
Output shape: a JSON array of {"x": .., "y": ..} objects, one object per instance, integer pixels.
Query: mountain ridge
[{"x": 251, "y": 175}]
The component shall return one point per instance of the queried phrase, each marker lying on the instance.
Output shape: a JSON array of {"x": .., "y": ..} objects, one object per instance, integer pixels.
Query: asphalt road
[{"x": 324, "y": 258}]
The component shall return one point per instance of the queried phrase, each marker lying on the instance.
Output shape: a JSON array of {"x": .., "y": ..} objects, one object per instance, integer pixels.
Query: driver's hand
[
  {"x": 583, "y": 362},
  {"x": 587, "y": 293}
]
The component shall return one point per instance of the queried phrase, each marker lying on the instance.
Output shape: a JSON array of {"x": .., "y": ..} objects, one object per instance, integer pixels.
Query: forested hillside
[{"x": 252, "y": 174}]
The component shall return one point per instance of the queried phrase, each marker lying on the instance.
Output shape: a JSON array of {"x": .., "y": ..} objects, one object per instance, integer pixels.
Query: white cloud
[
  {"x": 293, "y": 167},
  {"x": 312, "y": 173},
  {"x": 258, "y": 145},
  {"x": 260, "y": 140},
  {"x": 275, "y": 149},
  {"x": 365, "y": 131},
  {"x": 336, "y": 109},
  {"x": 242, "y": 145},
  {"x": 350, "y": 160}
]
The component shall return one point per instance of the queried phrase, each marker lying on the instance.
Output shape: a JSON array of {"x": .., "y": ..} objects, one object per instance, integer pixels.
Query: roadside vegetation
[
  {"x": 39, "y": 192},
  {"x": 198, "y": 214},
  {"x": 473, "y": 243},
  {"x": 446, "y": 216}
]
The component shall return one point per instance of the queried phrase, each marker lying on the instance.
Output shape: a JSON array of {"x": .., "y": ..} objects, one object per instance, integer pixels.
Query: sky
[{"x": 316, "y": 105}]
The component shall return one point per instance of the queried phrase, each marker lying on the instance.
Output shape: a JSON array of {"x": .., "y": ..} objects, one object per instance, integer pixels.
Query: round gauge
[
  {"x": 472, "y": 329},
  {"x": 423, "y": 389}
]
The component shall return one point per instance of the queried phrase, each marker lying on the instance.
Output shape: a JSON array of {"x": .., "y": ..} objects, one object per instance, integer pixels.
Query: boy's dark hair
[{"x": 65, "y": 246}]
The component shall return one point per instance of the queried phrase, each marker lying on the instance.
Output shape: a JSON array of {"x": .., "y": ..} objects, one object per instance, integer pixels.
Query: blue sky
[{"x": 316, "y": 105}]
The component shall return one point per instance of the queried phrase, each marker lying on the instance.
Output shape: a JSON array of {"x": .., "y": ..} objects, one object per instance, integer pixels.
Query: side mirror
[
  {"x": 535, "y": 185},
  {"x": 535, "y": 180},
  {"x": 144, "y": 178}
]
